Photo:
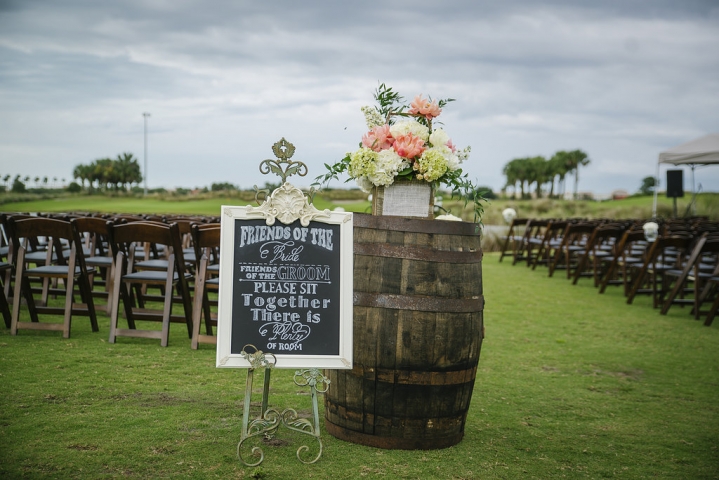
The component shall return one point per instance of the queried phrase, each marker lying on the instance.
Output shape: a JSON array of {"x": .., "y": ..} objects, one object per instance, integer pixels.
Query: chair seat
[
  {"x": 631, "y": 260},
  {"x": 39, "y": 257},
  {"x": 152, "y": 264},
  {"x": 98, "y": 261},
  {"x": 150, "y": 276},
  {"x": 59, "y": 270}
]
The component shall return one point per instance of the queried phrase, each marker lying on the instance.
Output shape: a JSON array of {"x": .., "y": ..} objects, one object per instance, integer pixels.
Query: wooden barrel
[{"x": 418, "y": 332}]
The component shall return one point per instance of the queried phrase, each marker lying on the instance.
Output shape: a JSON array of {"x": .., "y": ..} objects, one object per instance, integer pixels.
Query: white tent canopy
[{"x": 701, "y": 151}]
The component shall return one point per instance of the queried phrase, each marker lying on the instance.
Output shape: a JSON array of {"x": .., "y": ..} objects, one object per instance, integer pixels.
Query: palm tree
[
  {"x": 573, "y": 160},
  {"x": 518, "y": 170},
  {"x": 128, "y": 169},
  {"x": 538, "y": 172},
  {"x": 510, "y": 172},
  {"x": 558, "y": 168}
]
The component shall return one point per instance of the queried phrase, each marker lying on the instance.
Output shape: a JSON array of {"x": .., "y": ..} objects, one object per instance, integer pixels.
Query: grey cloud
[{"x": 620, "y": 79}]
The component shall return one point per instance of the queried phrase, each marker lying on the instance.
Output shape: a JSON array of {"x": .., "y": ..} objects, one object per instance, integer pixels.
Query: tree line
[
  {"x": 107, "y": 173},
  {"x": 540, "y": 171},
  {"x": 19, "y": 182}
]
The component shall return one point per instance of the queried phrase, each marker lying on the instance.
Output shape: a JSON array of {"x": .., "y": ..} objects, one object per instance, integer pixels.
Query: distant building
[{"x": 619, "y": 194}]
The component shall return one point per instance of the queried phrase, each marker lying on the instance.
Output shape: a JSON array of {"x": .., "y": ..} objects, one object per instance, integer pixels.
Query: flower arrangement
[{"x": 401, "y": 144}]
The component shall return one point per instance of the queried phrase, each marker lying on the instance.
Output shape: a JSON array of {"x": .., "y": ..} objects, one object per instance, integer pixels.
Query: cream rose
[{"x": 438, "y": 138}]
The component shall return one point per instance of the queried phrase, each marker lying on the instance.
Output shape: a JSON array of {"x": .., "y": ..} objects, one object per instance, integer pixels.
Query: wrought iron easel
[{"x": 270, "y": 419}]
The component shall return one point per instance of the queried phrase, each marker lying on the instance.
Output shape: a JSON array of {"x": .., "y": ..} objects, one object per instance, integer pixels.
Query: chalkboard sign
[{"x": 286, "y": 289}]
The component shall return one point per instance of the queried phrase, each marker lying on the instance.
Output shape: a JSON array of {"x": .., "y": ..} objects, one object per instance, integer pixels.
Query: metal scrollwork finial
[
  {"x": 282, "y": 165},
  {"x": 258, "y": 358}
]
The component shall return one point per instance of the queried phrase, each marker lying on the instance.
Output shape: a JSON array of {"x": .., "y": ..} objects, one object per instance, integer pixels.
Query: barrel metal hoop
[
  {"x": 415, "y": 377},
  {"x": 419, "y": 303},
  {"x": 417, "y": 253},
  {"x": 371, "y": 440},
  {"x": 404, "y": 224}
]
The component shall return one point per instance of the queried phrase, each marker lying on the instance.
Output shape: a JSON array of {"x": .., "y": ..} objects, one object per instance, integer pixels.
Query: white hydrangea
[
  {"x": 387, "y": 166},
  {"x": 362, "y": 162},
  {"x": 364, "y": 184},
  {"x": 411, "y": 126},
  {"x": 438, "y": 137},
  {"x": 451, "y": 157}
]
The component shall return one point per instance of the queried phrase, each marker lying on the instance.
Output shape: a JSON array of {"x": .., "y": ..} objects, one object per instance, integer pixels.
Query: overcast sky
[{"x": 224, "y": 80}]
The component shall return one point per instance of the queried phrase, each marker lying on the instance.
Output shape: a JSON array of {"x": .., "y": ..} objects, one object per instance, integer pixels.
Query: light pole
[{"x": 145, "y": 115}]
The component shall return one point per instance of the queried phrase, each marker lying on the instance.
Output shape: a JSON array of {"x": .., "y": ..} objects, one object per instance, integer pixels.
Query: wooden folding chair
[
  {"x": 600, "y": 245},
  {"x": 533, "y": 234},
  {"x": 574, "y": 242},
  {"x": 713, "y": 281},
  {"x": 663, "y": 254},
  {"x": 514, "y": 237},
  {"x": 71, "y": 272},
  {"x": 206, "y": 241},
  {"x": 550, "y": 241},
  {"x": 9, "y": 250},
  {"x": 123, "y": 240},
  {"x": 630, "y": 251},
  {"x": 97, "y": 254},
  {"x": 700, "y": 266},
  {"x": 4, "y": 305}
]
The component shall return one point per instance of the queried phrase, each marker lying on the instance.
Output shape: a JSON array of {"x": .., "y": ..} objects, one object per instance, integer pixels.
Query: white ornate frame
[{"x": 286, "y": 205}]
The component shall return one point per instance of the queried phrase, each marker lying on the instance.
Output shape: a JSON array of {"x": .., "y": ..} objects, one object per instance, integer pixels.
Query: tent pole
[
  {"x": 694, "y": 193},
  {"x": 656, "y": 190}
]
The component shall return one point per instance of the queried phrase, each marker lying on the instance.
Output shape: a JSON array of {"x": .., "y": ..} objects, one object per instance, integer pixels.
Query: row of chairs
[
  {"x": 123, "y": 259},
  {"x": 680, "y": 266}
]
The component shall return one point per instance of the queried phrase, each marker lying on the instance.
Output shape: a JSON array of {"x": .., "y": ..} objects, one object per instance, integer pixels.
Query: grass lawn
[
  {"x": 707, "y": 204},
  {"x": 571, "y": 384}
]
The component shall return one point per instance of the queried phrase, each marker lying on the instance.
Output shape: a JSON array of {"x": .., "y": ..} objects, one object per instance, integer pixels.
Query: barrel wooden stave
[{"x": 414, "y": 363}]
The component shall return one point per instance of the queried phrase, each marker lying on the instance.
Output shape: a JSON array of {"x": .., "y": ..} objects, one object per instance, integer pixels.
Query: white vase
[{"x": 404, "y": 199}]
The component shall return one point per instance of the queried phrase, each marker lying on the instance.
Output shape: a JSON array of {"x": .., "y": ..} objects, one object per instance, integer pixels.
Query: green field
[
  {"x": 571, "y": 384},
  {"x": 707, "y": 204}
]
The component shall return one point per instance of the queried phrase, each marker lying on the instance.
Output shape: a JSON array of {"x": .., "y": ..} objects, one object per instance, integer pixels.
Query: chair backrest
[
  {"x": 97, "y": 228},
  {"x": 669, "y": 249},
  {"x": 123, "y": 236},
  {"x": 205, "y": 236},
  {"x": 185, "y": 227},
  {"x": 578, "y": 233},
  {"x": 57, "y": 230},
  {"x": 630, "y": 241},
  {"x": 607, "y": 234}
]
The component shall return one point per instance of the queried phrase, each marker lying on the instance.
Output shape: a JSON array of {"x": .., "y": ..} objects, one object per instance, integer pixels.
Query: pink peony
[
  {"x": 408, "y": 146},
  {"x": 425, "y": 107},
  {"x": 378, "y": 138},
  {"x": 451, "y": 146}
]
